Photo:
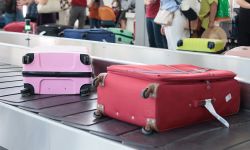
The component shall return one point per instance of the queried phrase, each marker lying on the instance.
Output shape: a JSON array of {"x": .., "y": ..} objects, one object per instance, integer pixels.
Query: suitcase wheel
[
  {"x": 28, "y": 58},
  {"x": 97, "y": 114},
  {"x": 180, "y": 43},
  {"x": 85, "y": 59},
  {"x": 210, "y": 45},
  {"x": 28, "y": 90},
  {"x": 96, "y": 82},
  {"x": 85, "y": 89},
  {"x": 132, "y": 43},
  {"x": 146, "y": 131},
  {"x": 119, "y": 39},
  {"x": 145, "y": 93}
]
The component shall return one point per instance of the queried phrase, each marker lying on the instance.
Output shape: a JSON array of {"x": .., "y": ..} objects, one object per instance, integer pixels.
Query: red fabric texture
[
  {"x": 16, "y": 26},
  {"x": 152, "y": 9},
  {"x": 177, "y": 103},
  {"x": 82, "y": 3},
  {"x": 181, "y": 72}
]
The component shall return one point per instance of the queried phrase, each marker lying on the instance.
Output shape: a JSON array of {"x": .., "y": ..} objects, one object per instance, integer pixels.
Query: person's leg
[
  {"x": 73, "y": 15},
  {"x": 9, "y": 17},
  {"x": 98, "y": 23},
  {"x": 243, "y": 36},
  {"x": 176, "y": 31},
  {"x": 92, "y": 23},
  {"x": 19, "y": 15},
  {"x": 150, "y": 30},
  {"x": 158, "y": 36},
  {"x": 164, "y": 41},
  {"x": 82, "y": 18},
  {"x": 123, "y": 24}
]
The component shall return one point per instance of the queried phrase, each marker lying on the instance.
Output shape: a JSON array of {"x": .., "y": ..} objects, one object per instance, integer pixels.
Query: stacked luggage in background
[
  {"x": 107, "y": 16},
  {"x": 201, "y": 45},
  {"x": 242, "y": 51},
  {"x": 90, "y": 34},
  {"x": 122, "y": 36},
  {"x": 166, "y": 97},
  {"x": 52, "y": 29},
  {"x": 56, "y": 73}
]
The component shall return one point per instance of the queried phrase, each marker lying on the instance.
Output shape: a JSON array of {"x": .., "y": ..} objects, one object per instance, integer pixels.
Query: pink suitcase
[
  {"x": 56, "y": 73},
  {"x": 242, "y": 51},
  {"x": 163, "y": 97}
]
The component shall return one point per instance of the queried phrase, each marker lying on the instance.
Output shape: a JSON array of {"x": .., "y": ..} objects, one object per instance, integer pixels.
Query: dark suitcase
[
  {"x": 164, "y": 97},
  {"x": 90, "y": 34},
  {"x": 52, "y": 29}
]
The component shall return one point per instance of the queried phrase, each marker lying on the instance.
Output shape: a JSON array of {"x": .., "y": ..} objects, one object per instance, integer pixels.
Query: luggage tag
[{"x": 209, "y": 106}]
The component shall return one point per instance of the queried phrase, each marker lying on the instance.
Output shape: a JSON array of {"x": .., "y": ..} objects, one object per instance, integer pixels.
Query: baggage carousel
[{"x": 52, "y": 122}]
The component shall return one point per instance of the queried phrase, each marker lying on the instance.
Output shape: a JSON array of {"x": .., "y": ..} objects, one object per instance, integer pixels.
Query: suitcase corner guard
[
  {"x": 150, "y": 91},
  {"x": 99, "y": 111},
  {"x": 99, "y": 80}
]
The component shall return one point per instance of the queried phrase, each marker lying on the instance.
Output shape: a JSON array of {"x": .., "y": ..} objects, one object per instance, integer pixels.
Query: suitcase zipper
[{"x": 56, "y": 74}]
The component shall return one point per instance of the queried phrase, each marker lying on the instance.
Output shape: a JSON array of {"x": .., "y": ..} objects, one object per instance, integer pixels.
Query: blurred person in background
[
  {"x": 126, "y": 5},
  {"x": 13, "y": 11},
  {"x": 77, "y": 12},
  {"x": 156, "y": 39},
  {"x": 31, "y": 11},
  {"x": 176, "y": 30},
  {"x": 93, "y": 13},
  {"x": 244, "y": 23},
  {"x": 207, "y": 14}
]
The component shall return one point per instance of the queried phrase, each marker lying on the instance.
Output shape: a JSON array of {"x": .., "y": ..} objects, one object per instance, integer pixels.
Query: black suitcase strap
[{"x": 57, "y": 74}]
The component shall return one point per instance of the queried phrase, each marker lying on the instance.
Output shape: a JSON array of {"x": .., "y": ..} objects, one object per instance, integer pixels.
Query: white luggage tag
[{"x": 209, "y": 106}]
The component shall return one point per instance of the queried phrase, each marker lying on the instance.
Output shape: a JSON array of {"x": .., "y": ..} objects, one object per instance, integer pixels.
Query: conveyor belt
[
  {"x": 1, "y": 148},
  {"x": 78, "y": 111}
]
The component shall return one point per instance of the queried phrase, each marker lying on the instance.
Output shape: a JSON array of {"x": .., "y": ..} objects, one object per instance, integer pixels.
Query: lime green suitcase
[
  {"x": 122, "y": 36},
  {"x": 201, "y": 45}
]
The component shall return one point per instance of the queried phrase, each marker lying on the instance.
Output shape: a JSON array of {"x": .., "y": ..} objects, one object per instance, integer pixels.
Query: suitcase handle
[
  {"x": 209, "y": 106},
  {"x": 84, "y": 35}
]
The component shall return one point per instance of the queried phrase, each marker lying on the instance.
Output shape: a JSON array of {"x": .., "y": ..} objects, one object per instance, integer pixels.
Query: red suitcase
[
  {"x": 161, "y": 97},
  {"x": 18, "y": 27},
  {"x": 242, "y": 51}
]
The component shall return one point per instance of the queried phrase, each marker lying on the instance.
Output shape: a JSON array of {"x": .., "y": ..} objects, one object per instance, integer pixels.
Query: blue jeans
[
  {"x": 154, "y": 34},
  {"x": 94, "y": 23},
  {"x": 11, "y": 17}
]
